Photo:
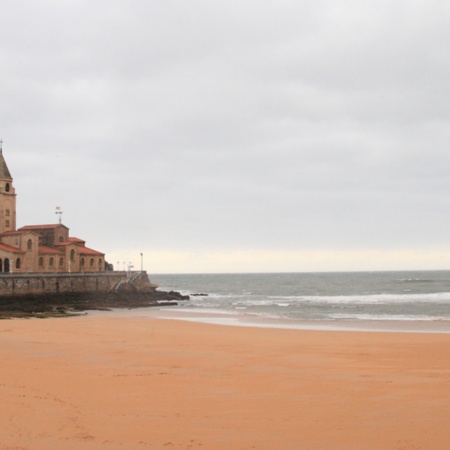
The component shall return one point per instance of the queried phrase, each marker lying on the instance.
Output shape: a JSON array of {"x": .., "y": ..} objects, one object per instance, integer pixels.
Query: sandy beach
[{"x": 140, "y": 383}]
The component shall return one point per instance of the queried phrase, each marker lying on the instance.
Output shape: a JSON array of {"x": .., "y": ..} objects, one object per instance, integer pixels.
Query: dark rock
[{"x": 52, "y": 305}]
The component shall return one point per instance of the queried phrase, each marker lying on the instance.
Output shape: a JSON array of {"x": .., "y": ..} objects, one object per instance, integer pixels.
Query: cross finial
[
  {"x": 1, "y": 145},
  {"x": 58, "y": 212}
]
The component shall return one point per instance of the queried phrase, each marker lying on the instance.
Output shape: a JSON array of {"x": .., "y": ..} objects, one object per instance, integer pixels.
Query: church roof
[
  {"x": 75, "y": 239},
  {"x": 42, "y": 227},
  {"x": 90, "y": 251},
  {"x": 44, "y": 250},
  {"x": 17, "y": 233},
  {"x": 71, "y": 241},
  {"x": 8, "y": 248},
  {"x": 4, "y": 171}
]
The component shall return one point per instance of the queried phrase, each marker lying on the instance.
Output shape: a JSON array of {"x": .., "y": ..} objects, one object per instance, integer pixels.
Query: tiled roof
[
  {"x": 71, "y": 241},
  {"x": 13, "y": 233},
  {"x": 8, "y": 248},
  {"x": 90, "y": 251},
  {"x": 64, "y": 244},
  {"x": 44, "y": 250},
  {"x": 75, "y": 239},
  {"x": 42, "y": 227}
]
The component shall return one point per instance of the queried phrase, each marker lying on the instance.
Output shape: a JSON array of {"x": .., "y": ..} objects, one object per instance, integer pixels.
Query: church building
[{"x": 39, "y": 248}]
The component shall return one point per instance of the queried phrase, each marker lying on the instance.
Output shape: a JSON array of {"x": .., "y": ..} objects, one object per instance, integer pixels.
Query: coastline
[
  {"x": 125, "y": 382},
  {"x": 250, "y": 320}
]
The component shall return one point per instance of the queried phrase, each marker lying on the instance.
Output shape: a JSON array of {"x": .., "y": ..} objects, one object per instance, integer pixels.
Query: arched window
[
  {"x": 1, "y": 265},
  {"x": 100, "y": 263},
  {"x": 29, "y": 244},
  {"x": 41, "y": 262},
  {"x": 82, "y": 262},
  {"x": 51, "y": 261},
  {"x": 7, "y": 187},
  {"x": 61, "y": 262},
  {"x": 18, "y": 263},
  {"x": 6, "y": 265},
  {"x": 91, "y": 262},
  {"x": 72, "y": 255}
]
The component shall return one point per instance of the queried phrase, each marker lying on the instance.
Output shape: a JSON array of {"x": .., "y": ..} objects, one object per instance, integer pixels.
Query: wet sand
[
  {"x": 140, "y": 383},
  {"x": 253, "y": 320}
]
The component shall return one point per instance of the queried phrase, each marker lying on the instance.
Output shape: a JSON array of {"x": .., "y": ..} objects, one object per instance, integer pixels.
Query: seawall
[{"x": 12, "y": 285}]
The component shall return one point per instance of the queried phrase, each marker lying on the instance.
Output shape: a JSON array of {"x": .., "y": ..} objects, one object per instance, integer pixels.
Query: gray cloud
[{"x": 230, "y": 126}]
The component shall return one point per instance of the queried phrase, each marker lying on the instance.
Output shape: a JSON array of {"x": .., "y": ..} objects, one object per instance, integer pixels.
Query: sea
[{"x": 358, "y": 299}]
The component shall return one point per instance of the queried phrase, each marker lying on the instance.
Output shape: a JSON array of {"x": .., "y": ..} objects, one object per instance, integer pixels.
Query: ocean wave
[
  {"x": 387, "y": 317},
  {"x": 254, "y": 303},
  {"x": 370, "y": 299},
  {"x": 415, "y": 280}
]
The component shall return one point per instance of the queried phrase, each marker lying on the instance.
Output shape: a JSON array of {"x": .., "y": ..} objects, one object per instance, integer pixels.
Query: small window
[
  {"x": 82, "y": 262},
  {"x": 61, "y": 262},
  {"x": 6, "y": 223},
  {"x": 7, "y": 187},
  {"x": 41, "y": 262},
  {"x": 29, "y": 244},
  {"x": 91, "y": 262},
  {"x": 51, "y": 262},
  {"x": 72, "y": 255},
  {"x": 100, "y": 263},
  {"x": 18, "y": 263},
  {"x": 61, "y": 239},
  {"x": 7, "y": 212}
]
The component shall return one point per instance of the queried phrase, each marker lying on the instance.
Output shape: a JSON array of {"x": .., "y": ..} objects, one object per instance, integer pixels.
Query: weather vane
[{"x": 59, "y": 212}]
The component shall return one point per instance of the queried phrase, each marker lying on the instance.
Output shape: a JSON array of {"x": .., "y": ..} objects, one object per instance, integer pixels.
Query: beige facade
[
  {"x": 39, "y": 248},
  {"x": 8, "y": 198}
]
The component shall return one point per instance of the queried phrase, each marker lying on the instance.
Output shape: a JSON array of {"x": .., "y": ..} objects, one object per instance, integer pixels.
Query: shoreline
[
  {"x": 104, "y": 383},
  {"x": 249, "y": 320}
]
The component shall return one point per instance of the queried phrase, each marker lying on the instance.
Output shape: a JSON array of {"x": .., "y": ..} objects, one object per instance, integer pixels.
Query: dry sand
[{"x": 128, "y": 383}]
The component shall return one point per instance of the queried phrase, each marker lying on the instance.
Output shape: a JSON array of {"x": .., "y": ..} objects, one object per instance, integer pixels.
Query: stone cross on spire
[{"x": 1, "y": 146}]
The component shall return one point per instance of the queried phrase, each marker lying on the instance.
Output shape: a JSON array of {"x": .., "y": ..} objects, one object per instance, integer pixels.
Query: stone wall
[{"x": 79, "y": 283}]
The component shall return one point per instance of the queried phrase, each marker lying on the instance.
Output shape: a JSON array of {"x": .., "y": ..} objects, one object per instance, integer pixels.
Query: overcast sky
[{"x": 233, "y": 136}]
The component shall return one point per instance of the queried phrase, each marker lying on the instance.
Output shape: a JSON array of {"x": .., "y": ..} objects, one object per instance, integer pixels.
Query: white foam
[{"x": 248, "y": 320}]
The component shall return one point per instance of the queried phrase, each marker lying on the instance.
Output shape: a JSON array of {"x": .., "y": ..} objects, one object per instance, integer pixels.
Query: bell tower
[{"x": 7, "y": 197}]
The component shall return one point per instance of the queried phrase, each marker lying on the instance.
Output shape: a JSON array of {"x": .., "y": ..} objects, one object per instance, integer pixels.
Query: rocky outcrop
[{"x": 51, "y": 305}]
